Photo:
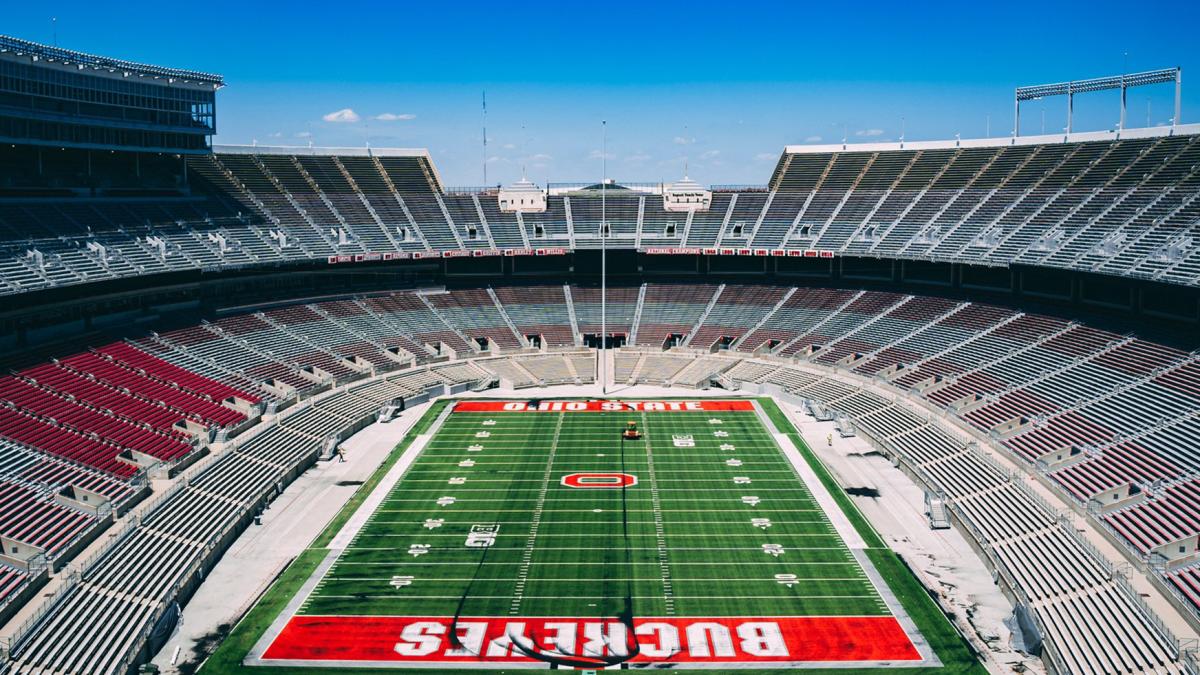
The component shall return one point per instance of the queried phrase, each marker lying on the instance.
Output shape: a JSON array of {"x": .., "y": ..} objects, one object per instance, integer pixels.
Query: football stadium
[{"x": 927, "y": 405}]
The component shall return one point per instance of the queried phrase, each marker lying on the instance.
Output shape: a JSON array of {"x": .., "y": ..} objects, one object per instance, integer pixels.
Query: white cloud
[
  {"x": 277, "y": 134},
  {"x": 596, "y": 154},
  {"x": 766, "y": 156},
  {"x": 813, "y": 139},
  {"x": 540, "y": 157},
  {"x": 343, "y": 115},
  {"x": 496, "y": 159},
  {"x": 680, "y": 140},
  {"x": 304, "y": 134},
  {"x": 385, "y": 117},
  {"x": 869, "y": 132},
  {"x": 509, "y": 146},
  {"x": 710, "y": 154},
  {"x": 638, "y": 157}
]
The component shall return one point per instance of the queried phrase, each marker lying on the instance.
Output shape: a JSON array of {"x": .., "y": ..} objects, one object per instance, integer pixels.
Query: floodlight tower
[{"x": 1122, "y": 82}]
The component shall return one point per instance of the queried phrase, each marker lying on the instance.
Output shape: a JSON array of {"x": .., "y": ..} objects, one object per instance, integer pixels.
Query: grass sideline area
[{"x": 951, "y": 649}]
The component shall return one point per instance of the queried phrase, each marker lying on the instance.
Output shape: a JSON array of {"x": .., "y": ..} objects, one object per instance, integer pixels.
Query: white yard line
[
  {"x": 664, "y": 568},
  {"x": 740, "y": 563},
  {"x": 591, "y": 522},
  {"x": 573, "y": 580},
  {"x": 531, "y": 542},
  {"x": 658, "y": 535},
  {"x": 674, "y": 548},
  {"x": 585, "y": 597},
  {"x": 590, "y": 500}
]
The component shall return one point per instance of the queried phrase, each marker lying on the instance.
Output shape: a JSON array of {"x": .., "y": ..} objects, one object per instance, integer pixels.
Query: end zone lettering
[
  {"x": 602, "y": 406},
  {"x": 659, "y": 640}
]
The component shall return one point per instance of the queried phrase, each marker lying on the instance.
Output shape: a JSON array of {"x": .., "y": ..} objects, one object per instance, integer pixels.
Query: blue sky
[{"x": 722, "y": 86}]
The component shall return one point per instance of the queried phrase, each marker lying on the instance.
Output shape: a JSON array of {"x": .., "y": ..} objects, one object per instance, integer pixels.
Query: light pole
[{"x": 603, "y": 256}]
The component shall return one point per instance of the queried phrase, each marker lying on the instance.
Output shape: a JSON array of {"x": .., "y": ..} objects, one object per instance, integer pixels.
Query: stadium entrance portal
[
  {"x": 613, "y": 341},
  {"x": 724, "y": 343}
]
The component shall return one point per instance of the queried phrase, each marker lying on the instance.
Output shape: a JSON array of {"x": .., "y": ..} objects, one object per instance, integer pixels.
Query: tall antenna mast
[
  {"x": 685, "y": 152},
  {"x": 485, "y": 182}
]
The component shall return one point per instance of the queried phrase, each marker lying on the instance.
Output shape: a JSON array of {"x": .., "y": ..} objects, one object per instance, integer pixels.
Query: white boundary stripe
[
  {"x": 349, "y": 531},
  {"x": 816, "y": 488},
  {"x": 858, "y": 547},
  {"x": 381, "y": 491}
]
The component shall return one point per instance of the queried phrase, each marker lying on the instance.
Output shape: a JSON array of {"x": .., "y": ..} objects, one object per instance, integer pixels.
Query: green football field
[{"x": 520, "y": 537}]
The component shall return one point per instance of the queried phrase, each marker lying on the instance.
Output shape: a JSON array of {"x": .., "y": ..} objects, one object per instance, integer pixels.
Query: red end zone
[
  {"x": 426, "y": 640},
  {"x": 703, "y": 405}
]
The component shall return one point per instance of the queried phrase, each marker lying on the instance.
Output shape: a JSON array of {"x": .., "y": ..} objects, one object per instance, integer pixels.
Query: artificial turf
[
  {"x": 681, "y": 543},
  {"x": 593, "y": 547}
]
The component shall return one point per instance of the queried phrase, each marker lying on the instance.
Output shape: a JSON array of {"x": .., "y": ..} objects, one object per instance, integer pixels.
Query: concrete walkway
[
  {"x": 941, "y": 559},
  {"x": 291, "y": 523}
]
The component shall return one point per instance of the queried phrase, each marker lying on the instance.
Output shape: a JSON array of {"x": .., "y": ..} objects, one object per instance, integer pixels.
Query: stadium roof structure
[
  {"x": 41, "y": 52},
  {"x": 319, "y": 151},
  {"x": 597, "y": 187}
]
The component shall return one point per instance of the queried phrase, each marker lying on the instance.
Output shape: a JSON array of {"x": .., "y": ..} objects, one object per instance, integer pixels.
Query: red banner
[
  {"x": 483, "y": 253},
  {"x": 745, "y": 640},
  {"x": 702, "y": 405}
]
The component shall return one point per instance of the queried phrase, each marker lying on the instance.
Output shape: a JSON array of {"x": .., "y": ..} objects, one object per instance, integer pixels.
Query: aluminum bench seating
[{"x": 474, "y": 314}]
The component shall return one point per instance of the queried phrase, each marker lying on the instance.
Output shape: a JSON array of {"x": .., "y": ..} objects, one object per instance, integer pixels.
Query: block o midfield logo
[{"x": 601, "y": 481}]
